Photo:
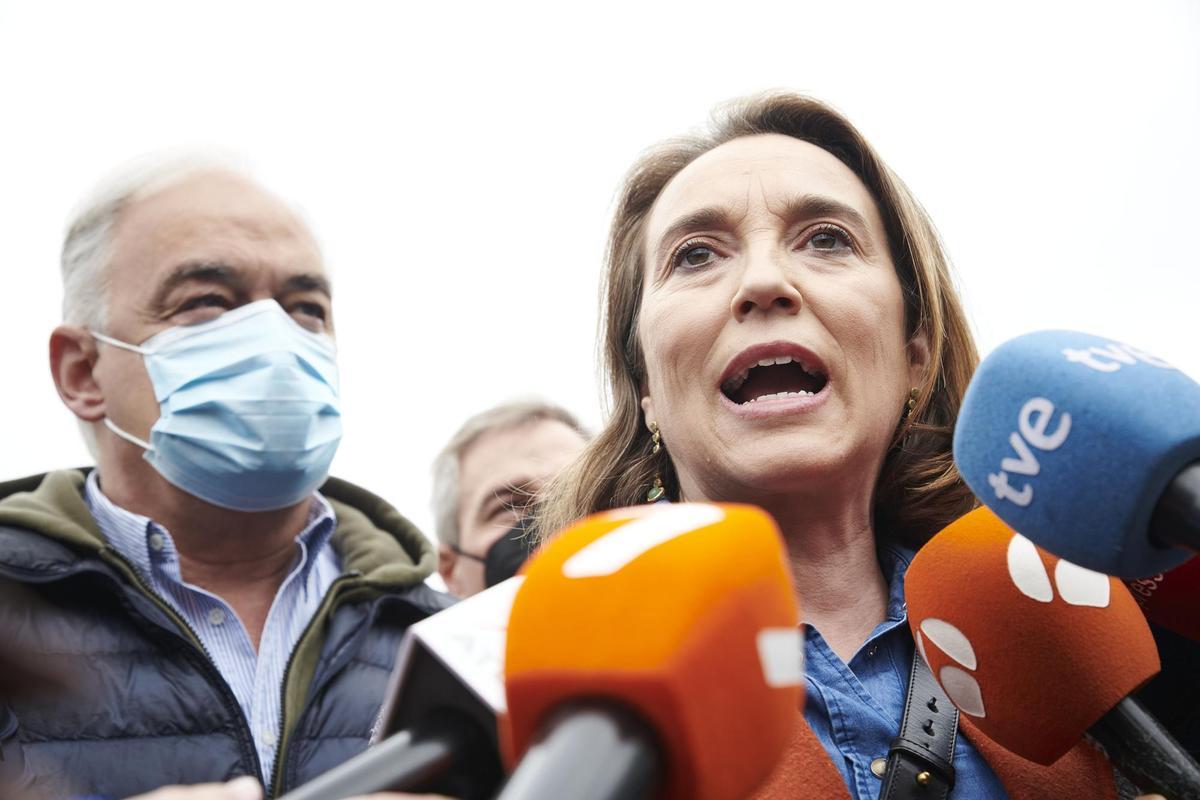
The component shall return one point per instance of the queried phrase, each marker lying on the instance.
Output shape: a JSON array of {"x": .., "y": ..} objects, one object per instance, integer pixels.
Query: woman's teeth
[
  {"x": 736, "y": 381},
  {"x": 780, "y": 395}
]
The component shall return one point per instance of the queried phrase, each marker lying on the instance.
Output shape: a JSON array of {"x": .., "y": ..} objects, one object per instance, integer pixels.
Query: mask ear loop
[
  {"x": 129, "y": 437},
  {"x": 465, "y": 554},
  {"x": 133, "y": 348},
  {"x": 108, "y": 423}
]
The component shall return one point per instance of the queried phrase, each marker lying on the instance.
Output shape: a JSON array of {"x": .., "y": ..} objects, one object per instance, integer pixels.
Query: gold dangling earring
[
  {"x": 656, "y": 491},
  {"x": 912, "y": 402}
]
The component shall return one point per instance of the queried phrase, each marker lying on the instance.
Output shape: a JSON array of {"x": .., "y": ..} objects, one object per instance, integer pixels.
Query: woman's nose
[{"x": 766, "y": 286}]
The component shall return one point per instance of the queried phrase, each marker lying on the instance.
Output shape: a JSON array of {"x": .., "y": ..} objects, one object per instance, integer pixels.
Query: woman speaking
[{"x": 781, "y": 329}]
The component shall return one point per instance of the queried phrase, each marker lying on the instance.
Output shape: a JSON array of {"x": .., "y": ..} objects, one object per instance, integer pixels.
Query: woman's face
[{"x": 772, "y": 323}]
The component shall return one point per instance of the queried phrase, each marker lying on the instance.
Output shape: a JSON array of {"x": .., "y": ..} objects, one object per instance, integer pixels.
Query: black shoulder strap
[{"x": 920, "y": 761}]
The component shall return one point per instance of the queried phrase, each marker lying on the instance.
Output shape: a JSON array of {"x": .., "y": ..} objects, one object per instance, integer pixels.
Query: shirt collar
[
  {"x": 149, "y": 546},
  {"x": 318, "y": 530},
  {"x": 894, "y": 560}
]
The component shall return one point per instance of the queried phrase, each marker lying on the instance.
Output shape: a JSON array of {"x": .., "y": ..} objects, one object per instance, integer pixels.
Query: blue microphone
[{"x": 1089, "y": 447}]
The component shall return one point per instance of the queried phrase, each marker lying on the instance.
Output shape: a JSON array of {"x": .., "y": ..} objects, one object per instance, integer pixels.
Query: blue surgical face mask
[{"x": 248, "y": 407}]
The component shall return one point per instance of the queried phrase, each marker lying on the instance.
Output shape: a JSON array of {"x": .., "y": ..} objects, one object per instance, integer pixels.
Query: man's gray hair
[
  {"x": 88, "y": 246},
  {"x": 446, "y": 467}
]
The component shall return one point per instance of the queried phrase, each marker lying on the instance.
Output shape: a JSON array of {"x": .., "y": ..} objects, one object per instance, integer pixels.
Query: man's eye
[
  {"x": 513, "y": 504},
  {"x": 694, "y": 256},
  {"x": 206, "y": 301},
  {"x": 312, "y": 316},
  {"x": 310, "y": 309},
  {"x": 503, "y": 514},
  {"x": 500, "y": 511}
]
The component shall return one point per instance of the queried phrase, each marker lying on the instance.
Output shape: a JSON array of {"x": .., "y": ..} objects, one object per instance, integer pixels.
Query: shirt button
[
  {"x": 268, "y": 737},
  {"x": 872, "y": 650},
  {"x": 157, "y": 541},
  {"x": 878, "y": 767},
  {"x": 217, "y": 616}
]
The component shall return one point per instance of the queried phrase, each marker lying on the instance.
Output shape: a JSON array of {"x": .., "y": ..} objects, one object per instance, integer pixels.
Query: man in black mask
[{"x": 483, "y": 481}]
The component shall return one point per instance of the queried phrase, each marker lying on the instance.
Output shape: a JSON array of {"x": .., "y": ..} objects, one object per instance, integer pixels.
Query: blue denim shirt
[{"x": 855, "y": 709}]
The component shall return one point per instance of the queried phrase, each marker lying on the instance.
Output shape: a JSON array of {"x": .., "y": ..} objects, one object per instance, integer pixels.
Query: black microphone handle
[
  {"x": 588, "y": 751},
  {"x": 1139, "y": 746},
  {"x": 414, "y": 759},
  {"x": 1176, "y": 518}
]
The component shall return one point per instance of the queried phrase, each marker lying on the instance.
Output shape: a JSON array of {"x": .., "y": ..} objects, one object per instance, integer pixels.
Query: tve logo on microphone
[
  {"x": 1072, "y": 438},
  {"x": 1032, "y": 429},
  {"x": 1034, "y": 419},
  {"x": 1111, "y": 356}
]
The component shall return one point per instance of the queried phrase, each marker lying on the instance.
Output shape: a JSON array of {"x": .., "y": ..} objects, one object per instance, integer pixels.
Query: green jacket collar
[{"x": 372, "y": 538}]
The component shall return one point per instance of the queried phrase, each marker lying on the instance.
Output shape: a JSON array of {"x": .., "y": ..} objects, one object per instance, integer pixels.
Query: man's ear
[
  {"x": 446, "y": 560},
  {"x": 72, "y": 358},
  {"x": 918, "y": 359}
]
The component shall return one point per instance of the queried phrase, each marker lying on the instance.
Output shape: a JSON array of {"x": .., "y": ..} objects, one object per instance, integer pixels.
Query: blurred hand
[
  {"x": 247, "y": 788},
  {"x": 243, "y": 788}
]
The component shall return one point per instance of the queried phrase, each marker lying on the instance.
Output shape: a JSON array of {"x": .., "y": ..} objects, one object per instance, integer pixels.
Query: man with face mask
[
  {"x": 482, "y": 482},
  {"x": 230, "y": 608}
]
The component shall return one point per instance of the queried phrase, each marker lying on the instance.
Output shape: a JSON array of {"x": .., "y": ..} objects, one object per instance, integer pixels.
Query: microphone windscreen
[
  {"x": 1172, "y": 599},
  {"x": 1072, "y": 439},
  {"x": 452, "y": 659},
  {"x": 682, "y": 612},
  {"x": 1032, "y": 648}
]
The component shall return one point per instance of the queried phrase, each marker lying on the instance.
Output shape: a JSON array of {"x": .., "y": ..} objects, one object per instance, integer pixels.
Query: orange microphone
[
  {"x": 653, "y": 652},
  {"x": 1038, "y": 651}
]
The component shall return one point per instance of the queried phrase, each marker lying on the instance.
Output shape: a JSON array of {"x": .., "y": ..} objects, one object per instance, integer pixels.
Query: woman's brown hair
[{"x": 919, "y": 489}]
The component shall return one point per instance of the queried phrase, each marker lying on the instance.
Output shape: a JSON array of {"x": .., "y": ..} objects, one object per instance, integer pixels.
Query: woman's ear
[
  {"x": 918, "y": 359},
  {"x": 648, "y": 408}
]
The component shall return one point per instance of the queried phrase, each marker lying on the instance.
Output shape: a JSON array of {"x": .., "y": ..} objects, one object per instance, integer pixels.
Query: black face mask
[{"x": 505, "y": 556}]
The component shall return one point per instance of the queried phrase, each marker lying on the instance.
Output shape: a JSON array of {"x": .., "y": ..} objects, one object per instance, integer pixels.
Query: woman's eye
[
  {"x": 694, "y": 257},
  {"x": 830, "y": 240}
]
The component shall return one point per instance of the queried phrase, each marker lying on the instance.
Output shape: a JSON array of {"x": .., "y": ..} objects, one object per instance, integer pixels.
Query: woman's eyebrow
[
  {"x": 808, "y": 206},
  {"x": 711, "y": 217}
]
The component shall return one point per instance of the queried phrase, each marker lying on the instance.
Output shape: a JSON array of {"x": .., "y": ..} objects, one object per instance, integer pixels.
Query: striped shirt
[{"x": 255, "y": 678}]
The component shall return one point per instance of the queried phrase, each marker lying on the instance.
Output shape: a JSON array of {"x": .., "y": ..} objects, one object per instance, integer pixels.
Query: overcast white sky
[{"x": 459, "y": 161}]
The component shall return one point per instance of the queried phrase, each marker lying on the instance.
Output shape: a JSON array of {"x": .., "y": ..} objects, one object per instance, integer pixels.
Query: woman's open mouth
[{"x": 774, "y": 378}]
